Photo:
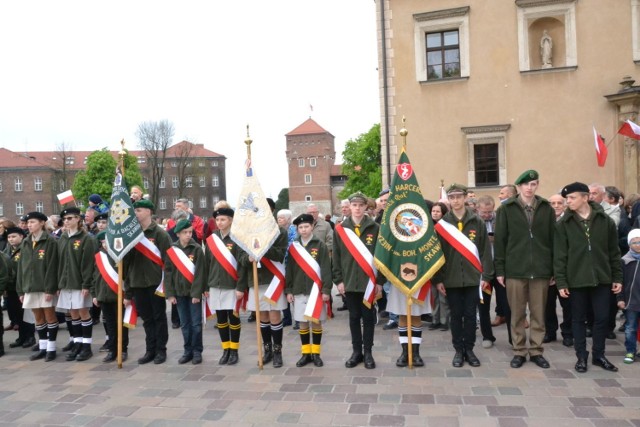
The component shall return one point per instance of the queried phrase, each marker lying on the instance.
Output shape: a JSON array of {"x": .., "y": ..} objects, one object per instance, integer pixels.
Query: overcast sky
[{"x": 87, "y": 73}]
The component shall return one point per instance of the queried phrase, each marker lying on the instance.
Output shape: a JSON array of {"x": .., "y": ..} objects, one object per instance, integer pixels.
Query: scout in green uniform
[
  {"x": 5, "y": 271},
  {"x": 37, "y": 282},
  {"x": 221, "y": 264},
  {"x": 299, "y": 287},
  {"x": 76, "y": 250},
  {"x": 184, "y": 288},
  {"x": 142, "y": 277}
]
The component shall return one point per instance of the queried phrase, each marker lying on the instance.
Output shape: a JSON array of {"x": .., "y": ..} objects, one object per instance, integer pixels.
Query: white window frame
[
  {"x": 203, "y": 181},
  {"x": 163, "y": 203},
  {"x": 201, "y": 163},
  {"x": 313, "y": 162},
  {"x": 188, "y": 182},
  {"x": 214, "y": 200},
  {"x": 37, "y": 184},
  {"x": 17, "y": 184},
  {"x": 145, "y": 183},
  {"x": 308, "y": 179},
  {"x": 308, "y": 198},
  {"x": 162, "y": 183},
  {"x": 438, "y": 21},
  {"x": 203, "y": 202},
  {"x": 635, "y": 29},
  {"x": 301, "y": 162},
  {"x": 39, "y": 206},
  {"x": 1, "y": 209},
  {"x": 174, "y": 199},
  {"x": 535, "y": 9},
  {"x": 215, "y": 181},
  {"x": 479, "y": 135},
  {"x": 0, "y": 186},
  {"x": 214, "y": 163},
  {"x": 174, "y": 182},
  {"x": 19, "y": 208}
]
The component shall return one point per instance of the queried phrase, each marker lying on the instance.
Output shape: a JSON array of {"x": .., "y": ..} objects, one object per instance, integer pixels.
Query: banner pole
[
  {"x": 409, "y": 347},
  {"x": 120, "y": 279},
  {"x": 256, "y": 295}
]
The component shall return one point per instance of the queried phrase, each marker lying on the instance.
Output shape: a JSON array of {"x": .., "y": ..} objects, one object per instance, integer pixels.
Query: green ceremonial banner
[
  {"x": 408, "y": 252},
  {"x": 123, "y": 229}
]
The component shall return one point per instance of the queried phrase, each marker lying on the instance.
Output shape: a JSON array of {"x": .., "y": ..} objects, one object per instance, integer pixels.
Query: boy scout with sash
[
  {"x": 76, "y": 251},
  {"x": 354, "y": 242},
  {"x": 308, "y": 287},
  {"x": 105, "y": 296},
  {"x": 184, "y": 285},
  {"x": 467, "y": 251},
  {"x": 221, "y": 265},
  {"x": 144, "y": 268},
  {"x": 37, "y": 283}
]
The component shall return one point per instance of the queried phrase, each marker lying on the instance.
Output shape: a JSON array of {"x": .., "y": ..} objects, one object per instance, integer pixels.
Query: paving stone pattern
[{"x": 95, "y": 394}]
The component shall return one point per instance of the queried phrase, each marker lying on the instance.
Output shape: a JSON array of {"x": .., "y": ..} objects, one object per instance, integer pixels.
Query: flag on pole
[
  {"x": 254, "y": 228},
  {"x": 630, "y": 129},
  {"x": 443, "y": 193},
  {"x": 123, "y": 229},
  {"x": 65, "y": 197},
  {"x": 408, "y": 252},
  {"x": 601, "y": 148}
]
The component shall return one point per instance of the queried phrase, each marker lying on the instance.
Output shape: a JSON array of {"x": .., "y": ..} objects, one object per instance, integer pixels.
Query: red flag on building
[
  {"x": 601, "y": 148},
  {"x": 630, "y": 129}
]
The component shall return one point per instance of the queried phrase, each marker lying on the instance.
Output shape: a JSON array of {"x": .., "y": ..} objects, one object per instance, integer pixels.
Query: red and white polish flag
[
  {"x": 601, "y": 148},
  {"x": 65, "y": 197},
  {"x": 630, "y": 129}
]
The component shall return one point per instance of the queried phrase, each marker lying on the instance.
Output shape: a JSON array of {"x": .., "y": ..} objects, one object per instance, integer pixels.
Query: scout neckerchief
[
  {"x": 276, "y": 287},
  {"x": 151, "y": 251},
  {"x": 182, "y": 262},
  {"x": 110, "y": 276},
  {"x": 311, "y": 268},
  {"x": 363, "y": 258}
]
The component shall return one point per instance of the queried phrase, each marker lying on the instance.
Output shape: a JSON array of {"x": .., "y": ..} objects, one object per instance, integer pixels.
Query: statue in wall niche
[{"x": 546, "y": 50}]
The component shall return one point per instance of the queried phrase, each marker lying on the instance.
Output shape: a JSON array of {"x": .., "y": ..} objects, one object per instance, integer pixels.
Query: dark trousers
[
  {"x": 462, "y": 304},
  {"x": 596, "y": 298},
  {"x": 551, "y": 317},
  {"x": 14, "y": 308},
  {"x": 175, "y": 316},
  {"x": 152, "y": 310},
  {"x": 361, "y": 336},
  {"x": 110, "y": 315},
  {"x": 191, "y": 324},
  {"x": 484, "y": 309},
  {"x": 502, "y": 303},
  {"x": 611, "y": 319}
]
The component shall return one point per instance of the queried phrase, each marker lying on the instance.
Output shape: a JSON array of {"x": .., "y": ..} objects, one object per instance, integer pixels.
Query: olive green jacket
[
  {"x": 38, "y": 265},
  {"x": 76, "y": 261},
  {"x": 297, "y": 281},
  {"x": 100, "y": 290},
  {"x": 217, "y": 276},
  {"x": 140, "y": 271},
  {"x": 175, "y": 284}
]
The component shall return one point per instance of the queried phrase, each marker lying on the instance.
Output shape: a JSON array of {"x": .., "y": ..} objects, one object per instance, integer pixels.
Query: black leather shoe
[
  {"x": 604, "y": 364},
  {"x": 110, "y": 357},
  {"x": 567, "y": 342},
  {"x": 581, "y": 365},
  {"x": 517, "y": 361},
  {"x": 252, "y": 317},
  {"x": 277, "y": 356},
  {"x": 471, "y": 358},
  {"x": 51, "y": 356},
  {"x": 187, "y": 357},
  {"x": 458, "y": 360},
  {"x": 434, "y": 326},
  {"x": 34, "y": 347},
  {"x": 148, "y": 357},
  {"x": 197, "y": 359},
  {"x": 611, "y": 335},
  {"x": 85, "y": 354},
  {"x": 540, "y": 361},
  {"x": 29, "y": 342},
  {"x": 161, "y": 357},
  {"x": 317, "y": 361},
  {"x": 69, "y": 346},
  {"x": 16, "y": 343},
  {"x": 175, "y": 325},
  {"x": 369, "y": 363},
  {"x": 233, "y": 357},
  {"x": 39, "y": 355},
  {"x": 354, "y": 360},
  {"x": 343, "y": 308},
  {"x": 549, "y": 338},
  {"x": 304, "y": 360},
  {"x": 225, "y": 357}
]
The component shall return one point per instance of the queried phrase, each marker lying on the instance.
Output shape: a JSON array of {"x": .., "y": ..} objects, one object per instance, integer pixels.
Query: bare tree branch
[{"x": 155, "y": 138}]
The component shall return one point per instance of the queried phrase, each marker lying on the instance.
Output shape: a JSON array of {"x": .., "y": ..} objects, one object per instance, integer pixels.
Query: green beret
[
  {"x": 144, "y": 203},
  {"x": 527, "y": 176},
  {"x": 101, "y": 236},
  {"x": 358, "y": 197},
  {"x": 456, "y": 189},
  {"x": 182, "y": 225}
]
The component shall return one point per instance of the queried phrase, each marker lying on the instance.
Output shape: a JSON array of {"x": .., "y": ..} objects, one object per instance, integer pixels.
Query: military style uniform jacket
[
  {"x": 100, "y": 290},
  {"x": 175, "y": 284},
  {"x": 297, "y": 281},
  {"x": 584, "y": 258},
  {"x": 524, "y": 251},
  {"x": 13, "y": 256},
  {"x": 76, "y": 261},
  {"x": 276, "y": 252},
  {"x": 457, "y": 271},
  {"x": 38, "y": 265},
  {"x": 5, "y": 271},
  {"x": 140, "y": 271},
  {"x": 217, "y": 276},
  {"x": 345, "y": 268}
]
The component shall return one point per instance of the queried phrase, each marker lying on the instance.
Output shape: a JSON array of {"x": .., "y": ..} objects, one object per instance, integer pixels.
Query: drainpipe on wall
[{"x": 385, "y": 90}]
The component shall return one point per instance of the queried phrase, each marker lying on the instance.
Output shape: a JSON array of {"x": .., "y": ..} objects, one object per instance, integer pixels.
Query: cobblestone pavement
[{"x": 95, "y": 394}]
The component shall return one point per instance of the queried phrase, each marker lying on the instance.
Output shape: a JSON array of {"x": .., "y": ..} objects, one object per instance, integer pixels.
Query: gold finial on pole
[
  {"x": 122, "y": 154},
  {"x": 248, "y": 141},
  {"x": 442, "y": 183},
  {"x": 404, "y": 132}
]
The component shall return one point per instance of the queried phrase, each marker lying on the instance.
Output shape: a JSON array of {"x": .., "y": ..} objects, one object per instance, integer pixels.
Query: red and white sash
[
  {"x": 223, "y": 255},
  {"x": 241, "y": 304},
  {"x": 276, "y": 287},
  {"x": 130, "y": 316},
  {"x": 108, "y": 273},
  {"x": 363, "y": 257},
  {"x": 182, "y": 262},
  {"x": 151, "y": 251},
  {"x": 423, "y": 294},
  {"x": 207, "y": 313},
  {"x": 311, "y": 268}
]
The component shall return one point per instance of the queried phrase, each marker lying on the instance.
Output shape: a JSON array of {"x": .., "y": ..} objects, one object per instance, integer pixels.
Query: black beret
[
  {"x": 36, "y": 215},
  {"x": 104, "y": 215},
  {"x": 574, "y": 187},
  {"x": 23, "y": 218},
  {"x": 15, "y": 230},
  {"x": 223, "y": 211},
  {"x": 70, "y": 211},
  {"x": 302, "y": 219}
]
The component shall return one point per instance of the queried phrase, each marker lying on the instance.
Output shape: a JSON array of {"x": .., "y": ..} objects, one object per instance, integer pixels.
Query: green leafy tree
[
  {"x": 99, "y": 174},
  {"x": 283, "y": 200},
  {"x": 362, "y": 164}
]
